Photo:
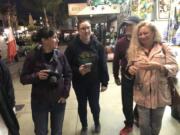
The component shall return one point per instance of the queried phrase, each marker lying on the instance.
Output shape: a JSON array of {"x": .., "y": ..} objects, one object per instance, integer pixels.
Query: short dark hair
[
  {"x": 44, "y": 32},
  {"x": 81, "y": 21}
]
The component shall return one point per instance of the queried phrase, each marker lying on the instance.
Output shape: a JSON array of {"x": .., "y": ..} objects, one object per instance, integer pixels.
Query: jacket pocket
[{"x": 164, "y": 91}]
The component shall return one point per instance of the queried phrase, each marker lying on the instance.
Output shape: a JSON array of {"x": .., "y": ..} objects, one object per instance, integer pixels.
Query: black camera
[{"x": 53, "y": 77}]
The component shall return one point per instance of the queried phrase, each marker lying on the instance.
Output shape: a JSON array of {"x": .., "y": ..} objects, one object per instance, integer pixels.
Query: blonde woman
[{"x": 150, "y": 62}]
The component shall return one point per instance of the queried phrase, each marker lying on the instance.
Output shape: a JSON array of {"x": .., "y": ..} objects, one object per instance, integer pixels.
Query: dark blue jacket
[
  {"x": 7, "y": 100},
  {"x": 42, "y": 90}
]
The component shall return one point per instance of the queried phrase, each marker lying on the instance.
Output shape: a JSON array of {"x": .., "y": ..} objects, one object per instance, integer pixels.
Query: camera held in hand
[{"x": 53, "y": 77}]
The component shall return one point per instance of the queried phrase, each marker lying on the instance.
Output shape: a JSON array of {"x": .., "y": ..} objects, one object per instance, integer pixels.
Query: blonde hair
[{"x": 135, "y": 45}]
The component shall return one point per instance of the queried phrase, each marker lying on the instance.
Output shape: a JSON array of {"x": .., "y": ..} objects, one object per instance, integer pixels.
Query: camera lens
[{"x": 53, "y": 79}]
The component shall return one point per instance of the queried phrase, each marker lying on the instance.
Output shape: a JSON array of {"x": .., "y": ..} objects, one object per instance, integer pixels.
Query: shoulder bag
[{"x": 173, "y": 83}]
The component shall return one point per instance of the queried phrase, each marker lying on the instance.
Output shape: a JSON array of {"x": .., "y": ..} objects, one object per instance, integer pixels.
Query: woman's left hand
[{"x": 62, "y": 100}]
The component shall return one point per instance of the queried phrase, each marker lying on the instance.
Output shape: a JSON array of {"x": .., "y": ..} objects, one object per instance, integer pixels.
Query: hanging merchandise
[
  {"x": 134, "y": 7},
  {"x": 146, "y": 9},
  {"x": 164, "y": 7},
  {"x": 177, "y": 27},
  {"x": 143, "y": 8},
  {"x": 174, "y": 23}
]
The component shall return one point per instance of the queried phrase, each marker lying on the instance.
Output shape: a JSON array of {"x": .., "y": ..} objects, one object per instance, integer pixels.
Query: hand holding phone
[
  {"x": 88, "y": 65},
  {"x": 85, "y": 68}
]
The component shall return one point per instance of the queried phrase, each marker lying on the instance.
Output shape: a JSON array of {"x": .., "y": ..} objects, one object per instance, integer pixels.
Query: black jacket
[
  {"x": 42, "y": 90},
  {"x": 78, "y": 53},
  {"x": 7, "y": 100}
]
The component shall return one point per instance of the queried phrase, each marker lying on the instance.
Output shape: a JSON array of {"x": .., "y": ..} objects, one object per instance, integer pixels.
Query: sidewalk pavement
[{"x": 15, "y": 67}]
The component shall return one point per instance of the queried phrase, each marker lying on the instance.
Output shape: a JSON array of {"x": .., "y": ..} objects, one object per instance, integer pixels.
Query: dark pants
[
  {"x": 84, "y": 93},
  {"x": 40, "y": 114},
  {"x": 127, "y": 101}
]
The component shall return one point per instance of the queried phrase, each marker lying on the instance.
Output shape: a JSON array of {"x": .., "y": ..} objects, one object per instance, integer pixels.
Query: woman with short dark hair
[
  {"x": 87, "y": 59},
  {"x": 47, "y": 69}
]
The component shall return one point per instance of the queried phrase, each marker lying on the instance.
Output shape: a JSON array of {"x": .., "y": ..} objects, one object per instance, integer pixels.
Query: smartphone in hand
[{"x": 88, "y": 66}]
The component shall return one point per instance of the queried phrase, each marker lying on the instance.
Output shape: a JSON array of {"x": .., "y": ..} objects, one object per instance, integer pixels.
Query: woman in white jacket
[{"x": 150, "y": 62}]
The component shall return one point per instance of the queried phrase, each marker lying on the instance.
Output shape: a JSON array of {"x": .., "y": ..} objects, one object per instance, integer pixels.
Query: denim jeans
[
  {"x": 150, "y": 120},
  {"x": 40, "y": 113},
  {"x": 88, "y": 93}
]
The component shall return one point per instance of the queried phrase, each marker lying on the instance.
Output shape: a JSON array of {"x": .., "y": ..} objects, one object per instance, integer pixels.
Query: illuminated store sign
[{"x": 84, "y": 9}]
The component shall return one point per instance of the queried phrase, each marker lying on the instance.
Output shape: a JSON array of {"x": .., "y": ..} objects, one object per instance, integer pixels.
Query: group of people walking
[
  {"x": 144, "y": 71},
  {"x": 146, "y": 63}
]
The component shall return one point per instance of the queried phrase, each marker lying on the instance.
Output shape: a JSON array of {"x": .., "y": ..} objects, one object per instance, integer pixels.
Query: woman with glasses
[{"x": 87, "y": 59}]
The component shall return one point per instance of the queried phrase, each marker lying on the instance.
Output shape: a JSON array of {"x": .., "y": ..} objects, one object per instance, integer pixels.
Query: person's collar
[
  {"x": 92, "y": 37},
  {"x": 86, "y": 42}
]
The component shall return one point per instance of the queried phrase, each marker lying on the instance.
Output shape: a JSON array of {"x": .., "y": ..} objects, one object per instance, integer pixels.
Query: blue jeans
[
  {"x": 40, "y": 113},
  {"x": 150, "y": 120}
]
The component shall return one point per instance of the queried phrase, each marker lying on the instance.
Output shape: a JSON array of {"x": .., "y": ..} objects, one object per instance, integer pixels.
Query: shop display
[{"x": 143, "y": 8}]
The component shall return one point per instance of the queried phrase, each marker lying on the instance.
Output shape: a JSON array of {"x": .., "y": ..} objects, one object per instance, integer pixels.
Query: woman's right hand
[
  {"x": 84, "y": 70},
  {"x": 43, "y": 74},
  {"x": 132, "y": 70}
]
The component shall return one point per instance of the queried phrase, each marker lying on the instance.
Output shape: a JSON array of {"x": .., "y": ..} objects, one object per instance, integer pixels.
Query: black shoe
[
  {"x": 84, "y": 131},
  {"x": 97, "y": 129}
]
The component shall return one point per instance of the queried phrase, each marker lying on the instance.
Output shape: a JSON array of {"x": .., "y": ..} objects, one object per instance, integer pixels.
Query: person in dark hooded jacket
[
  {"x": 90, "y": 75},
  {"x": 47, "y": 69},
  {"x": 7, "y": 101}
]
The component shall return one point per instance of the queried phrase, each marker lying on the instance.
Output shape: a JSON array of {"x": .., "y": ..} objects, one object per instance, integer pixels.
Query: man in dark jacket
[
  {"x": 120, "y": 60},
  {"x": 7, "y": 100},
  {"x": 88, "y": 63}
]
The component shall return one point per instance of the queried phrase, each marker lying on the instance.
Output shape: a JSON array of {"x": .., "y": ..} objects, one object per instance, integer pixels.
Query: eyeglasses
[{"x": 85, "y": 28}]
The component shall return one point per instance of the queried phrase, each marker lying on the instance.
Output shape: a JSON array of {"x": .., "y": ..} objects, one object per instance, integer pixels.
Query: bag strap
[
  {"x": 172, "y": 81},
  {"x": 163, "y": 48}
]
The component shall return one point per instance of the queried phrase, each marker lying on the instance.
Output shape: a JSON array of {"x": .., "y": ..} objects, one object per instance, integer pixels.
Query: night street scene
[{"x": 89, "y": 67}]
